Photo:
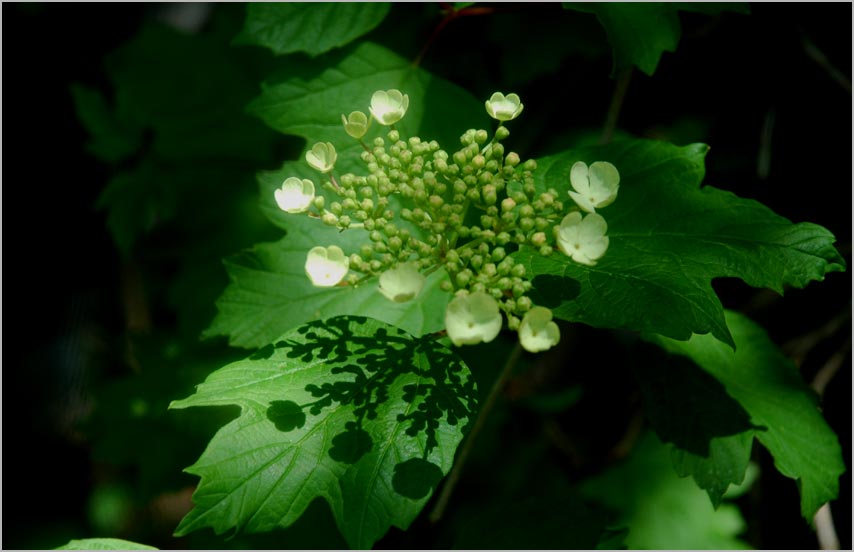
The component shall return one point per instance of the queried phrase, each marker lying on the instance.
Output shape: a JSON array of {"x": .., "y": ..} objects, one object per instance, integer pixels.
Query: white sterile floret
[
  {"x": 402, "y": 283},
  {"x": 583, "y": 239},
  {"x": 472, "y": 319},
  {"x": 326, "y": 266},
  {"x": 295, "y": 195},
  {"x": 537, "y": 332},
  {"x": 595, "y": 187},
  {"x": 389, "y": 106},
  {"x": 356, "y": 125},
  {"x": 504, "y": 108},
  {"x": 322, "y": 156}
]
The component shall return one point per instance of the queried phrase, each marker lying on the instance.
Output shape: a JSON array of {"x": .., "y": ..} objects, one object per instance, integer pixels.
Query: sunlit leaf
[
  {"x": 103, "y": 544},
  {"x": 669, "y": 238},
  {"x": 348, "y": 409},
  {"x": 769, "y": 387},
  {"x": 661, "y": 510}
]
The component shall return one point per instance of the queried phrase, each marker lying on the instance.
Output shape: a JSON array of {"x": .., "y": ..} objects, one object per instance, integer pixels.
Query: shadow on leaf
[{"x": 365, "y": 364}]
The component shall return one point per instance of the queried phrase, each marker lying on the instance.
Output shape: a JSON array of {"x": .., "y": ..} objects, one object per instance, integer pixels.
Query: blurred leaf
[
  {"x": 640, "y": 32},
  {"x": 179, "y": 109},
  {"x": 111, "y": 140},
  {"x": 314, "y": 28},
  {"x": 348, "y": 409},
  {"x": 103, "y": 544},
  {"x": 669, "y": 238},
  {"x": 537, "y": 523},
  {"x": 661, "y": 510},
  {"x": 722, "y": 469},
  {"x": 769, "y": 387}
]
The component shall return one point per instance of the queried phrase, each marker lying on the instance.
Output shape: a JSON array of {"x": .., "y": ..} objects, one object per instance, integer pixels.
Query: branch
[{"x": 456, "y": 471}]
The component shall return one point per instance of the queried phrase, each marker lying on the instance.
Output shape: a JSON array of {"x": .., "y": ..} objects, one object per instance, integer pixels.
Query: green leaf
[
  {"x": 661, "y": 510},
  {"x": 313, "y": 28},
  {"x": 769, "y": 387},
  {"x": 710, "y": 432},
  {"x": 111, "y": 140},
  {"x": 312, "y": 109},
  {"x": 103, "y": 544},
  {"x": 640, "y": 32},
  {"x": 348, "y": 409},
  {"x": 270, "y": 293},
  {"x": 668, "y": 239}
]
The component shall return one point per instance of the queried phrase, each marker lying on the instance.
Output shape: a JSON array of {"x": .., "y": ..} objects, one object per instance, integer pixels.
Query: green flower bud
[
  {"x": 481, "y": 136},
  {"x": 376, "y": 236},
  {"x": 476, "y": 261},
  {"x": 507, "y": 204},
  {"x": 501, "y": 133},
  {"x": 356, "y": 125},
  {"x": 329, "y": 219},
  {"x": 504, "y": 284},
  {"x": 336, "y": 208},
  {"x": 518, "y": 290},
  {"x": 538, "y": 239},
  {"x": 395, "y": 243},
  {"x": 478, "y": 161},
  {"x": 436, "y": 201},
  {"x": 498, "y": 254},
  {"x": 526, "y": 224},
  {"x": 503, "y": 238},
  {"x": 460, "y": 158},
  {"x": 512, "y": 159},
  {"x": 518, "y": 271},
  {"x": 524, "y": 304},
  {"x": 445, "y": 285},
  {"x": 526, "y": 211},
  {"x": 546, "y": 250},
  {"x": 319, "y": 202}
]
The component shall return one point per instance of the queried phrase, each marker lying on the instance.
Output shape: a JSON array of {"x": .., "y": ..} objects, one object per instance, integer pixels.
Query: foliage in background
[{"x": 181, "y": 129}]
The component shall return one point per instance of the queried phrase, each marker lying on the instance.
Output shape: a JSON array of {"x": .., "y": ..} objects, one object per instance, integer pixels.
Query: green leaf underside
[
  {"x": 103, "y": 544},
  {"x": 348, "y": 409},
  {"x": 641, "y": 32},
  {"x": 314, "y": 28},
  {"x": 767, "y": 384},
  {"x": 710, "y": 432},
  {"x": 661, "y": 510},
  {"x": 669, "y": 238}
]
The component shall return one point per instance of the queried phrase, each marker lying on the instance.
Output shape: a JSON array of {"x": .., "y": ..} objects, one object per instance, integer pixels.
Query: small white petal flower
[
  {"x": 356, "y": 125},
  {"x": 504, "y": 108},
  {"x": 583, "y": 239},
  {"x": 322, "y": 156},
  {"x": 389, "y": 106},
  {"x": 402, "y": 283},
  {"x": 295, "y": 195},
  {"x": 472, "y": 318},
  {"x": 537, "y": 332},
  {"x": 326, "y": 266},
  {"x": 595, "y": 187}
]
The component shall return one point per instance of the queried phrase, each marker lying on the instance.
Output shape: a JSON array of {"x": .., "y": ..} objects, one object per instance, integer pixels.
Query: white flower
[
  {"x": 504, "y": 108},
  {"x": 389, "y": 106},
  {"x": 594, "y": 187},
  {"x": 472, "y": 318},
  {"x": 322, "y": 156},
  {"x": 583, "y": 239},
  {"x": 326, "y": 266},
  {"x": 537, "y": 332},
  {"x": 295, "y": 195},
  {"x": 402, "y": 283},
  {"x": 356, "y": 125}
]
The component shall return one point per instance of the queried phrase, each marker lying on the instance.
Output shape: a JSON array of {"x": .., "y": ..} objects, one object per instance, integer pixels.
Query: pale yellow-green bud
[
  {"x": 356, "y": 125},
  {"x": 501, "y": 132},
  {"x": 507, "y": 204},
  {"x": 512, "y": 159}
]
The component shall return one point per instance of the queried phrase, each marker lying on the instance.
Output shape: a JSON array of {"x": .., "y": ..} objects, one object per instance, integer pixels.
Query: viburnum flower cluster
[{"x": 466, "y": 213}]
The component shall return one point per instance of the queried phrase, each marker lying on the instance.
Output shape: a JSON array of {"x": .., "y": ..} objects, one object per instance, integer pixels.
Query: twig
[
  {"x": 825, "y": 529},
  {"x": 818, "y": 56},
  {"x": 456, "y": 471},
  {"x": 451, "y": 13},
  {"x": 616, "y": 105},
  {"x": 829, "y": 369},
  {"x": 763, "y": 161},
  {"x": 798, "y": 348}
]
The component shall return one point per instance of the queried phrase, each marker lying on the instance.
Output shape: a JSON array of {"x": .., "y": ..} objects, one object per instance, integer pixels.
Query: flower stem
[{"x": 456, "y": 471}]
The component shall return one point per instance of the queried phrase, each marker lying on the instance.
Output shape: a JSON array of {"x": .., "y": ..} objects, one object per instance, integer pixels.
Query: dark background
[{"x": 63, "y": 279}]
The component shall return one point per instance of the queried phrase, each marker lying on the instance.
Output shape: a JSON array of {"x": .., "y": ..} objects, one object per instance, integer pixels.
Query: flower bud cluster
[{"x": 424, "y": 209}]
